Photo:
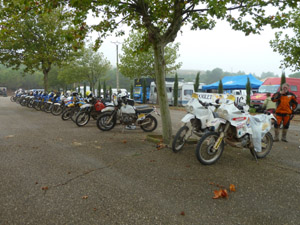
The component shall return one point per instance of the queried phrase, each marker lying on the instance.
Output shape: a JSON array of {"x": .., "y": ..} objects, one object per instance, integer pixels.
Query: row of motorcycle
[
  {"x": 215, "y": 123},
  {"x": 222, "y": 121},
  {"x": 71, "y": 106}
]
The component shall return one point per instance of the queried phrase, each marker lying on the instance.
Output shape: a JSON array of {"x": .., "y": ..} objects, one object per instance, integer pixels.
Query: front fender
[
  {"x": 216, "y": 122},
  {"x": 108, "y": 109},
  {"x": 187, "y": 118}
]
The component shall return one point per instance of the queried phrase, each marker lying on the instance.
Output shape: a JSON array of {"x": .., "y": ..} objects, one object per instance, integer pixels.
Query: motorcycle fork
[
  {"x": 111, "y": 117},
  {"x": 221, "y": 137}
]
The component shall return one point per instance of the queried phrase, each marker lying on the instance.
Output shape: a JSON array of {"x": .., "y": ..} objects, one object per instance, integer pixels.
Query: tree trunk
[
  {"x": 45, "y": 72},
  {"x": 161, "y": 92}
]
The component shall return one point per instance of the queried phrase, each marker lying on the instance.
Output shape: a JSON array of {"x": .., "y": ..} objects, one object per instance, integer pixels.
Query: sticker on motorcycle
[{"x": 141, "y": 116}]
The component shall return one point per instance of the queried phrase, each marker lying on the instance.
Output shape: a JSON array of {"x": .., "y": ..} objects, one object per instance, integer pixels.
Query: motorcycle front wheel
[
  {"x": 179, "y": 139},
  {"x": 266, "y": 146},
  {"x": 104, "y": 121},
  {"x": 149, "y": 124},
  {"x": 56, "y": 110},
  {"x": 82, "y": 119},
  {"x": 74, "y": 114},
  {"x": 66, "y": 114},
  {"x": 204, "y": 150}
]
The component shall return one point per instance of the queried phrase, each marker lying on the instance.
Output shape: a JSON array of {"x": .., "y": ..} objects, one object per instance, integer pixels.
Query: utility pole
[{"x": 117, "y": 71}]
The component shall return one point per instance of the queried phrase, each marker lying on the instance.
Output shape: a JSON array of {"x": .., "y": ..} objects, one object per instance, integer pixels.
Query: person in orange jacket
[{"x": 286, "y": 106}]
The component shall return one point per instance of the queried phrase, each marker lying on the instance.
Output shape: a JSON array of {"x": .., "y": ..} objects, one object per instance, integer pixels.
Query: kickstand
[{"x": 254, "y": 154}]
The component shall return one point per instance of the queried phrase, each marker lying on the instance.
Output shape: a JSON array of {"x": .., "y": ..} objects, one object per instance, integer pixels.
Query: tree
[
  {"x": 104, "y": 91},
  {"x": 248, "y": 90},
  {"x": 131, "y": 91},
  {"x": 163, "y": 19},
  {"x": 220, "y": 88},
  {"x": 267, "y": 74},
  {"x": 37, "y": 41},
  {"x": 87, "y": 65},
  {"x": 197, "y": 81},
  {"x": 84, "y": 89},
  {"x": 289, "y": 46},
  {"x": 283, "y": 80},
  {"x": 175, "y": 91},
  {"x": 138, "y": 61}
]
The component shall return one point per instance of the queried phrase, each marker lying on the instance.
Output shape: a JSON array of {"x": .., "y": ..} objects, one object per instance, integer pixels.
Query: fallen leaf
[
  {"x": 10, "y": 136},
  {"x": 187, "y": 166},
  {"x": 182, "y": 213},
  {"x": 221, "y": 193},
  {"x": 98, "y": 147},
  {"x": 36, "y": 182},
  {"x": 124, "y": 141},
  {"x": 85, "y": 197},
  {"x": 152, "y": 161},
  {"x": 232, "y": 188},
  {"x": 160, "y": 146},
  {"x": 95, "y": 209},
  {"x": 45, "y": 188},
  {"x": 77, "y": 143}
]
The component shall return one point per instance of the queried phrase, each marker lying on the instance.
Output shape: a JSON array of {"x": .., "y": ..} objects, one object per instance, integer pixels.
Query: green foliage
[
  {"x": 248, "y": 90},
  {"x": 288, "y": 45},
  {"x": 88, "y": 65},
  {"x": 220, "y": 88},
  {"x": 252, "y": 110},
  {"x": 175, "y": 92},
  {"x": 197, "y": 81},
  {"x": 295, "y": 75},
  {"x": 138, "y": 61},
  {"x": 36, "y": 40}
]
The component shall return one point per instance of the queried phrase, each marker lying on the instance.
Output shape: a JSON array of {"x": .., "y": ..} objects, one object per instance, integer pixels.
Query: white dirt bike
[
  {"x": 236, "y": 128},
  {"x": 194, "y": 122}
]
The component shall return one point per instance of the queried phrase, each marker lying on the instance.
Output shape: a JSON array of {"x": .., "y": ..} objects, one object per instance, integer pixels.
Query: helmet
[
  {"x": 74, "y": 93},
  {"x": 87, "y": 93},
  {"x": 68, "y": 93}
]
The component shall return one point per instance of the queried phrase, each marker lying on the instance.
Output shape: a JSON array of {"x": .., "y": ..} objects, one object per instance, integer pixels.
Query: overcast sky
[{"x": 221, "y": 47}]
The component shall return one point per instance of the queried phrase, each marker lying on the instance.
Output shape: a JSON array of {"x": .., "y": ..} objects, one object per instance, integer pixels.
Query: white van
[{"x": 153, "y": 92}]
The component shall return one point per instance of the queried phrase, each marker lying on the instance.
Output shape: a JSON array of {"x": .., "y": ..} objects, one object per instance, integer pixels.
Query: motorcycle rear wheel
[
  {"x": 179, "y": 139},
  {"x": 266, "y": 146},
  {"x": 74, "y": 114},
  {"x": 102, "y": 121},
  {"x": 204, "y": 149},
  {"x": 151, "y": 123},
  {"x": 82, "y": 119}
]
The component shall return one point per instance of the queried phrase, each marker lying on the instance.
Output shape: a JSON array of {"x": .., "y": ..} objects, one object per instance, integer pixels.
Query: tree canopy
[
  {"x": 138, "y": 61},
  {"x": 289, "y": 46}
]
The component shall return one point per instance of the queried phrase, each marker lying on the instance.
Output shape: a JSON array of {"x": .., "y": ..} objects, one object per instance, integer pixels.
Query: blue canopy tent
[{"x": 235, "y": 82}]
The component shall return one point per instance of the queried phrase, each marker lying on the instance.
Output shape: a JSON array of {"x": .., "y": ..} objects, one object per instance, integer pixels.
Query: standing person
[
  {"x": 286, "y": 106},
  {"x": 269, "y": 105}
]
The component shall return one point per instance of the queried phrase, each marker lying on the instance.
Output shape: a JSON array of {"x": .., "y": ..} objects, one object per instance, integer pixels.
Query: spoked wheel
[
  {"x": 56, "y": 110},
  {"x": 74, "y": 114},
  {"x": 66, "y": 114},
  {"x": 48, "y": 107},
  {"x": 82, "y": 119},
  {"x": 205, "y": 152},
  {"x": 266, "y": 146},
  {"x": 149, "y": 123},
  {"x": 105, "y": 122},
  {"x": 13, "y": 98},
  {"x": 180, "y": 139}
]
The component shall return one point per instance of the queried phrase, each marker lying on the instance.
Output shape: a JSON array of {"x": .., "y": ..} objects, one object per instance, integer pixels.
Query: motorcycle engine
[{"x": 128, "y": 115}]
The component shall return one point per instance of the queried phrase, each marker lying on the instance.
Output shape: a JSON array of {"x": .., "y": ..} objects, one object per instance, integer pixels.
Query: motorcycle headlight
[
  {"x": 223, "y": 113},
  {"x": 189, "y": 108}
]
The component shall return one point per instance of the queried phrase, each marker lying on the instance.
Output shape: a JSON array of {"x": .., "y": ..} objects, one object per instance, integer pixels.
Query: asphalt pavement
[{"x": 53, "y": 172}]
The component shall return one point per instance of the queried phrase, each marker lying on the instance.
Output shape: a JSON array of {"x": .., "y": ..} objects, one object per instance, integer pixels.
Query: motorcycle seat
[
  {"x": 144, "y": 110},
  {"x": 142, "y": 106}
]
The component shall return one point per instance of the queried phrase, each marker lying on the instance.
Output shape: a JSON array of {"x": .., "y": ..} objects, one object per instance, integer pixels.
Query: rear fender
[
  {"x": 187, "y": 118},
  {"x": 215, "y": 123}
]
